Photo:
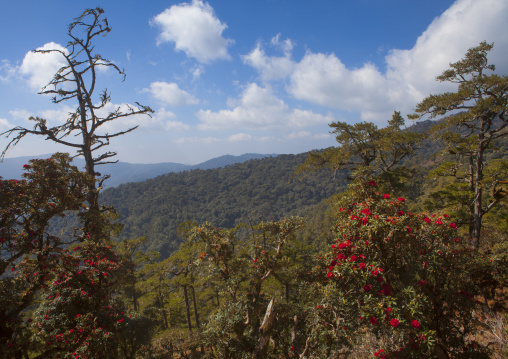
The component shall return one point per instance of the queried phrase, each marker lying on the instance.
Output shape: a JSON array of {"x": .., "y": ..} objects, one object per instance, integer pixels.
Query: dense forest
[{"x": 393, "y": 244}]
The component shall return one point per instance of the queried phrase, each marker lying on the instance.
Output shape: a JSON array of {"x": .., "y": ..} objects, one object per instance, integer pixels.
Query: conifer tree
[{"x": 482, "y": 100}]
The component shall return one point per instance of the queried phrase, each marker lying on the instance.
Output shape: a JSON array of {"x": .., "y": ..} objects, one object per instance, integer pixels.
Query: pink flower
[{"x": 394, "y": 323}]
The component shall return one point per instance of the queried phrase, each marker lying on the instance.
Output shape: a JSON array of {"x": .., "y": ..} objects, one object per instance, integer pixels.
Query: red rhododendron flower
[
  {"x": 415, "y": 324},
  {"x": 367, "y": 287},
  {"x": 373, "y": 320},
  {"x": 453, "y": 225},
  {"x": 401, "y": 199},
  {"x": 329, "y": 275},
  {"x": 427, "y": 220},
  {"x": 361, "y": 265},
  {"x": 386, "y": 196},
  {"x": 394, "y": 323}
]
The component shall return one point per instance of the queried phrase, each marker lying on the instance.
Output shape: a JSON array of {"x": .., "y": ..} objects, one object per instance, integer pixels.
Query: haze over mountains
[{"x": 124, "y": 172}]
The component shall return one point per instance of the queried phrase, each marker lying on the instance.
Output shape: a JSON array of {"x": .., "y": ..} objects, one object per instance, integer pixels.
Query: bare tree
[{"x": 76, "y": 81}]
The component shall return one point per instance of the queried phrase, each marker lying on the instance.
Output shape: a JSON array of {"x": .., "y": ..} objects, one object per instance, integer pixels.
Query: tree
[
  {"x": 364, "y": 145},
  {"x": 76, "y": 81},
  {"x": 395, "y": 283},
  {"x": 483, "y": 102},
  {"x": 31, "y": 256},
  {"x": 75, "y": 277}
]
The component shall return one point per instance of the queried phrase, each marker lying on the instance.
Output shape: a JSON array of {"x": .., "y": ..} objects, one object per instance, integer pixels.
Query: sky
[{"x": 244, "y": 76}]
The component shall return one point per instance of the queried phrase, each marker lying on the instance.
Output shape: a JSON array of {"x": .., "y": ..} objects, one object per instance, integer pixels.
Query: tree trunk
[
  {"x": 187, "y": 308},
  {"x": 265, "y": 332},
  {"x": 478, "y": 210},
  {"x": 195, "y": 308}
]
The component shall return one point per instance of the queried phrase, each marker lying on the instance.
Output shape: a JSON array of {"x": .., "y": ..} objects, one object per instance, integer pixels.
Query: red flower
[
  {"x": 427, "y": 220},
  {"x": 386, "y": 196},
  {"x": 401, "y": 199},
  {"x": 394, "y": 323},
  {"x": 120, "y": 320},
  {"x": 367, "y": 287},
  {"x": 293, "y": 348},
  {"x": 373, "y": 320},
  {"x": 438, "y": 222},
  {"x": 361, "y": 265},
  {"x": 453, "y": 225},
  {"x": 329, "y": 275},
  {"x": 78, "y": 315},
  {"x": 415, "y": 324},
  {"x": 372, "y": 183}
]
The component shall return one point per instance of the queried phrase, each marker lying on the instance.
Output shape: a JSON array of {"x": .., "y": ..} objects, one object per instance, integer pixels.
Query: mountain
[
  {"x": 258, "y": 189},
  {"x": 124, "y": 172}
]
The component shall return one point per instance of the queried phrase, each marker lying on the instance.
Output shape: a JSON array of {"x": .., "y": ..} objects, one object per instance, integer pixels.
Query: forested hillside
[
  {"x": 392, "y": 244},
  {"x": 263, "y": 189}
]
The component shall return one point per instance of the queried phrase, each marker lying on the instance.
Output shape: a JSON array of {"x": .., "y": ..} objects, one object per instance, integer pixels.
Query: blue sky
[{"x": 230, "y": 77}]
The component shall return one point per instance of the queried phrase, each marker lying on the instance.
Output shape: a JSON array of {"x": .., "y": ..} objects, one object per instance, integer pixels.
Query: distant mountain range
[{"x": 124, "y": 172}]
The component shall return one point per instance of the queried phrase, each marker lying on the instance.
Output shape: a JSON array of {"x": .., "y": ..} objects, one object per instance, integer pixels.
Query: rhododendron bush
[
  {"x": 402, "y": 278},
  {"x": 56, "y": 291}
]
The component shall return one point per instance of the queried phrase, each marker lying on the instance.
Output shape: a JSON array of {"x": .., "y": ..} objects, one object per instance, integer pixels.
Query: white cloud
[
  {"x": 7, "y": 71},
  {"x": 201, "y": 140},
  {"x": 410, "y": 76},
  {"x": 20, "y": 114},
  {"x": 271, "y": 67},
  {"x": 194, "y": 29},
  {"x": 5, "y": 125},
  {"x": 298, "y": 135},
  {"x": 41, "y": 67},
  {"x": 258, "y": 108},
  {"x": 239, "y": 137},
  {"x": 171, "y": 94}
]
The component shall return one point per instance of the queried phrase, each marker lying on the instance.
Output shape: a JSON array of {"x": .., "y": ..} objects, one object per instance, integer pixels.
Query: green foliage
[
  {"x": 364, "y": 145},
  {"x": 252, "y": 191},
  {"x": 398, "y": 275},
  {"x": 483, "y": 102}
]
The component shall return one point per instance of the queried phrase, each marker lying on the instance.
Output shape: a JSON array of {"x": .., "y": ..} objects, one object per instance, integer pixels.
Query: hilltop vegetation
[
  {"x": 256, "y": 190},
  {"x": 399, "y": 252}
]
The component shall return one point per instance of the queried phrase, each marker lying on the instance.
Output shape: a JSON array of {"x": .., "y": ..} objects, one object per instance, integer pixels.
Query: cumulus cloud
[
  {"x": 5, "y": 125},
  {"x": 39, "y": 68},
  {"x": 271, "y": 67},
  {"x": 258, "y": 108},
  {"x": 202, "y": 140},
  {"x": 410, "y": 74},
  {"x": 195, "y": 30},
  {"x": 239, "y": 137},
  {"x": 171, "y": 94},
  {"x": 7, "y": 71}
]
